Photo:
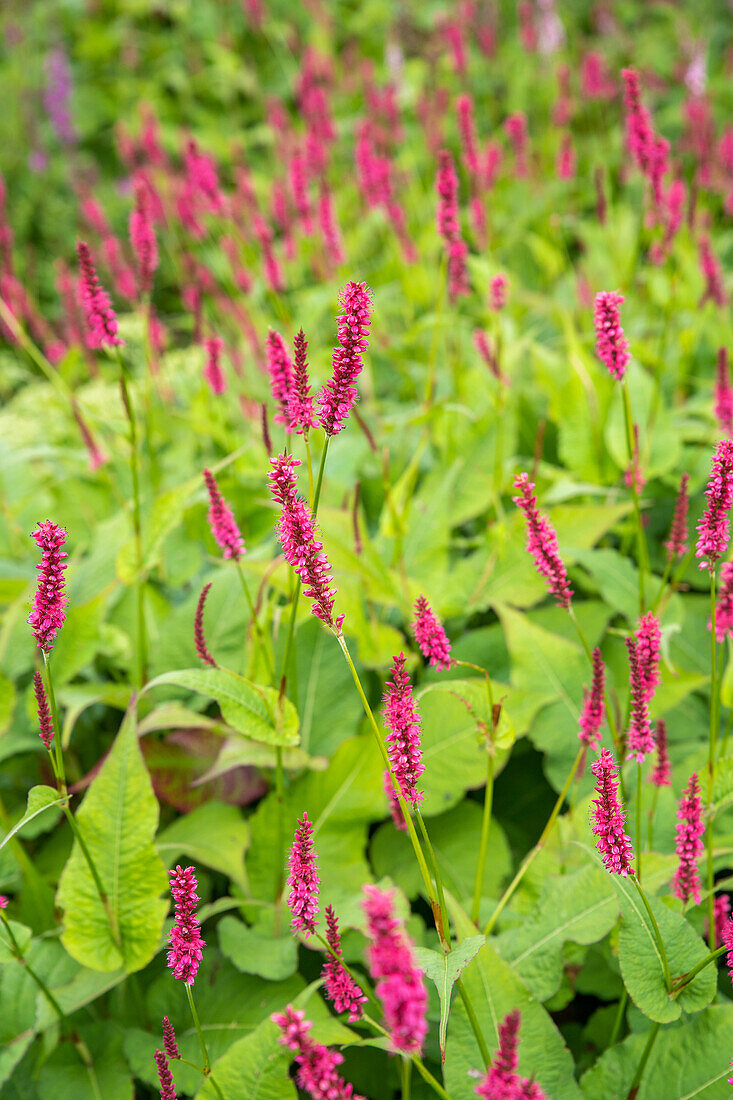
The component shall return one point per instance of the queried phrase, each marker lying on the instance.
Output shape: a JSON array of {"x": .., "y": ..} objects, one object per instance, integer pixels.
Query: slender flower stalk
[
  {"x": 712, "y": 274},
  {"x": 316, "y": 1064},
  {"x": 542, "y": 543},
  {"x": 430, "y": 636},
  {"x": 198, "y": 628},
  {"x": 45, "y": 719},
  {"x": 713, "y": 528},
  {"x": 221, "y": 520},
  {"x": 48, "y": 614},
  {"x": 338, "y": 396},
  {"x": 591, "y": 717},
  {"x": 303, "y": 880},
  {"x": 612, "y": 347},
  {"x": 167, "y": 1090},
  {"x": 403, "y": 740},
  {"x": 689, "y": 846},
  {"x": 100, "y": 317},
  {"x": 339, "y": 986},
  {"x": 186, "y": 944},
  {"x": 609, "y": 819},
  {"x": 169, "y": 1039}
]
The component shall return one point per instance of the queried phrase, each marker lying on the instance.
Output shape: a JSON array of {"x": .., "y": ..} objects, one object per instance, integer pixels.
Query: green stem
[
  {"x": 430, "y": 375},
  {"x": 142, "y": 646},
  {"x": 692, "y": 974},
  {"x": 310, "y": 467},
  {"x": 538, "y": 846},
  {"x": 280, "y": 834},
  {"x": 15, "y": 948},
  {"x": 640, "y": 537},
  {"x": 638, "y": 822},
  {"x": 484, "y": 843},
  {"x": 445, "y": 938},
  {"x": 634, "y": 1089},
  {"x": 57, "y": 747},
  {"x": 662, "y": 586},
  {"x": 255, "y": 621},
  {"x": 499, "y": 448},
  {"x": 406, "y": 1077},
  {"x": 623, "y": 1001},
  {"x": 657, "y": 934},
  {"x": 610, "y": 716},
  {"x": 711, "y": 760},
  {"x": 474, "y": 1022},
  {"x": 416, "y": 1061},
  {"x": 319, "y": 482},
  {"x": 652, "y": 815},
  {"x": 199, "y": 1032}
]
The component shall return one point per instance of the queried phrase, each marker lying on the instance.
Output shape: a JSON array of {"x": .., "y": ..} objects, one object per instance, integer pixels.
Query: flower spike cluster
[
  {"x": 100, "y": 317},
  {"x": 446, "y": 184},
  {"x": 300, "y": 404},
  {"x": 542, "y": 542},
  {"x": 142, "y": 237},
  {"x": 167, "y": 1091},
  {"x": 689, "y": 844},
  {"x": 721, "y": 915},
  {"x": 45, "y": 721},
  {"x": 724, "y": 606},
  {"x": 713, "y": 530},
  {"x": 186, "y": 944},
  {"x": 400, "y": 983},
  {"x": 340, "y": 987},
  {"x": 169, "y": 1039},
  {"x": 338, "y": 397},
  {"x": 612, "y": 347},
  {"x": 48, "y": 614},
  {"x": 316, "y": 1064},
  {"x": 676, "y": 544},
  {"x": 591, "y": 716},
  {"x": 303, "y": 880},
  {"x": 430, "y": 636},
  {"x": 502, "y": 1082},
  {"x": 649, "y": 639},
  {"x": 199, "y": 637},
  {"x": 213, "y": 372},
  {"x": 221, "y": 520},
  {"x": 403, "y": 740},
  {"x": 297, "y": 532},
  {"x": 608, "y": 818},
  {"x": 661, "y": 776},
  {"x": 280, "y": 369},
  {"x": 640, "y": 739}
]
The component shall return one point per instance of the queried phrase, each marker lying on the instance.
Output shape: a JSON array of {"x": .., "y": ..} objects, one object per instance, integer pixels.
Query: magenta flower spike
[
  {"x": 713, "y": 530},
  {"x": 45, "y": 721},
  {"x": 639, "y": 739},
  {"x": 591, "y": 717},
  {"x": 301, "y": 417},
  {"x": 297, "y": 531},
  {"x": 612, "y": 347},
  {"x": 430, "y": 636},
  {"x": 339, "y": 986},
  {"x": 303, "y": 880},
  {"x": 727, "y": 937},
  {"x": 498, "y": 288},
  {"x": 676, "y": 544},
  {"x": 403, "y": 739},
  {"x": 712, "y": 273},
  {"x": 608, "y": 818},
  {"x": 639, "y": 130},
  {"x": 501, "y": 1078},
  {"x": 649, "y": 639},
  {"x": 100, "y": 317},
  {"x": 400, "y": 983},
  {"x": 213, "y": 372},
  {"x": 3, "y": 901},
  {"x": 542, "y": 543},
  {"x": 167, "y": 1090},
  {"x": 338, "y": 396},
  {"x": 724, "y": 606},
  {"x": 169, "y": 1039},
  {"x": 723, "y": 393},
  {"x": 186, "y": 944},
  {"x": 316, "y": 1064},
  {"x": 222, "y": 522},
  {"x": 198, "y": 629},
  {"x": 689, "y": 846},
  {"x": 515, "y": 128},
  {"x": 449, "y": 227},
  {"x": 142, "y": 237},
  {"x": 48, "y": 614},
  {"x": 661, "y": 776},
  {"x": 721, "y": 913},
  {"x": 280, "y": 369}
]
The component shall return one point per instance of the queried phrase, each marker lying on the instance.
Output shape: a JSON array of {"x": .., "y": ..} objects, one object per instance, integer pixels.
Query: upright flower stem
[
  {"x": 657, "y": 935},
  {"x": 444, "y": 933},
  {"x": 142, "y": 646},
  {"x": 416, "y": 1061},
  {"x": 484, "y": 843},
  {"x": 202, "y": 1041},
  {"x": 610, "y": 716},
  {"x": 262, "y": 644},
  {"x": 640, "y": 537},
  {"x": 639, "y": 790},
  {"x": 406, "y": 1077},
  {"x": 622, "y": 1003},
  {"x": 430, "y": 376},
  {"x": 634, "y": 1089},
  {"x": 711, "y": 759},
  {"x": 309, "y": 464},
  {"x": 15, "y": 949},
  {"x": 685, "y": 979}
]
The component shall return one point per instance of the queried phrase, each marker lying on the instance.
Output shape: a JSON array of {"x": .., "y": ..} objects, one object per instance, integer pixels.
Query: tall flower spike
[
  {"x": 300, "y": 403},
  {"x": 712, "y": 530},
  {"x": 724, "y": 606},
  {"x": 186, "y": 944},
  {"x": 303, "y": 880},
  {"x": 676, "y": 544},
  {"x": 449, "y": 227},
  {"x": 639, "y": 739},
  {"x": 198, "y": 628},
  {"x": 213, "y": 373},
  {"x": 316, "y": 1063},
  {"x": 430, "y": 636},
  {"x": 612, "y": 347},
  {"x": 723, "y": 393},
  {"x": 48, "y": 614},
  {"x": 403, "y": 740},
  {"x": 169, "y": 1039},
  {"x": 167, "y": 1091},
  {"x": 501, "y": 1078},
  {"x": 340, "y": 987},
  {"x": 280, "y": 369},
  {"x": 400, "y": 983},
  {"x": 45, "y": 721},
  {"x": 142, "y": 237},
  {"x": 608, "y": 818},
  {"x": 498, "y": 292},
  {"x": 338, "y": 397},
  {"x": 649, "y": 639},
  {"x": 591, "y": 716},
  {"x": 100, "y": 317},
  {"x": 689, "y": 846},
  {"x": 297, "y": 532},
  {"x": 721, "y": 913},
  {"x": 222, "y": 522},
  {"x": 728, "y": 942},
  {"x": 542, "y": 542},
  {"x": 661, "y": 776},
  {"x": 712, "y": 274}
]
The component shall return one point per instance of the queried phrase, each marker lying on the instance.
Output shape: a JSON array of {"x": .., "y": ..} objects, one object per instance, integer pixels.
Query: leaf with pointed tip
[
  {"x": 40, "y": 799},
  {"x": 445, "y": 970}
]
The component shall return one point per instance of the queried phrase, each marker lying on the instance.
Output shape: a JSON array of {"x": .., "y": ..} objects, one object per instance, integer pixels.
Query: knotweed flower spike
[
  {"x": 280, "y": 368},
  {"x": 449, "y": 226},
  {"x": 689, "y": 846},
  {"x": 301, "y": 416},
  {"x": 297, "y": 531},
  {"x": 221, "y": 521},
  {"x": 45, "y": 721},
  {"x": 339, "y": 986},
  {"x": 676, "y": 545},
  {"x": 661, "y": 776},
  {"x": 713, "y": 529},
  {"x": 591, "y": 716},
  {"x": 727, "y": 937},
  {"x": 649, "y": 639},
  {"x": 502, "y": 1082},
  {"x": 198, "y": 628},
  {"x": 431, "y": 636},
  {"x": 142, "y": 238},
  {"x": 303, "y": 880},
  {"x": 542, "y": 542},
  {"x": 724, "y": 606},
  {"x": 639, "y": 130},
  {"x": 400, "y": 983},
  {"x": 338, "y": 396},
  {"x": 48, "y": 614},
  {"x": 403, "y": 740},
  {"x": 721, "y": 913},
  {"x": 723, "y": 393},
  {"x": 167, "y": 1091},
  {"x": 608, "y": 818},
  {"x": 639, "y": 739},
  {"x": 3, "y": 901},
  {"x": 612, "y": 347},
  {"x": 213, "y": 372},
  {"x": 316, "y": 1064},
  {"x": 498, "y": 287},
  {"x": 99, "y": 315},
  {"x": 186, "y": 950},
  {"x": 712, "y": 273},
  {"x": 169, "y": 1039}
]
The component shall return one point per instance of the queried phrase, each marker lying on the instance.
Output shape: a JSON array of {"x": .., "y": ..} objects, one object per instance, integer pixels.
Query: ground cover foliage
[{"x": 283, "y": 153}]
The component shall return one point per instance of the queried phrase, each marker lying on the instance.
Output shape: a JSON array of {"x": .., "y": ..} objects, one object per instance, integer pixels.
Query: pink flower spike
[
  {"x": 721, "y": 913},
  {"x": 591, "y": 717},
  {"x": 300, "y": 404},
  {"x": 689, "y": 846},
  {"x": 303, "y": 880},
  {"x": 431, "y": 636},
  {"x": 542, "y": 543},
  {"x": 515, "y": 128},
  {"x": 639, "y": 739},
  {"x": 723, "y": 394},
  {"x": 400, "y": 983},
  {"x": 498, "y": 292},
  {"x": 612, "y": 347},
  {"x": 661, "y": 776},
  {"x": 712, "y": 274},
  {"x": 501, "y": 1081},
  {"x": 222, "y": 522},
  {"x": 446, "y": 185},
  {"x": 213, "y": 373},
  {"x": 403, "y": 740},
  {"x": 3, "y": 901},
  {"x": 198, "y": 629},
  {"x": 48, "y": 614},
  {"x": 297, "y": 532},
  {"x": 45, "y": 721},
  {"x": 169, "y": 1039},
  {"x": 142, "y": 237},
  {"x": 608, "y": 818},
  {"x": 727, "y": 937},
  {"x": 639, "y": 130},
  {"x": 338, "y": 397},
  {"x": 100, "y": 317},
  {"x": 167, "y": 1091},
  {"x": 339, "y": 986},
  {"x": 724, "y": 606},
  {"x": 649, "y": 639},
  {"x": 280, "y": 369},
  {"x": 676, "y": 545},
  {"x": 713, "y": 531},
  {"x": 316, "y": 1063},
  {"x": 186, "y": 950}
]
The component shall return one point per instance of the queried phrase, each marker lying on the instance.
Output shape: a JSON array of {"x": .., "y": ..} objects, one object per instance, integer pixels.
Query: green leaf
[
  {"x": 213, "y": 834},
  {"x": 256, "y": 711},
  {"x": 64, "y": 1076},
  {"x": 444, "y": 970},
  {"x": 640, "y": 962},
  {"x": 166, "y": 514},
  {"x": 617, "y": 579},
  {"x": 253, "y": 951},
  {"x": 255, "y": 1066},
  {"x": 40, "y": 799},
  {"x": 7, "y": 702},
  {"x": 118, "y": 819},
  {"x": 79, "y": 641},
  {"x": 76, "y": 698}
]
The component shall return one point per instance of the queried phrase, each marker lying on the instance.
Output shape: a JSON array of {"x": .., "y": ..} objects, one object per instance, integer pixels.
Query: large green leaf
[
  {"x": 166, "y": 514},
  {"x": 213, "y": 834},
  {"x": 64, "y": 1076},
  {"x": 444, "y": 970},
  {"x": 257, "y": 950},
  {"x": 117, "y": 819},
  {"x": 40, "y": 799}
]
